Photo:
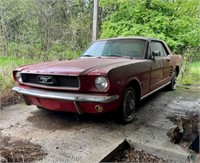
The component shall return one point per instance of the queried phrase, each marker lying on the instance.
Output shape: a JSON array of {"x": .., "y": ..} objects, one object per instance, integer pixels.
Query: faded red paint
[{"x": 149, "y": 74}]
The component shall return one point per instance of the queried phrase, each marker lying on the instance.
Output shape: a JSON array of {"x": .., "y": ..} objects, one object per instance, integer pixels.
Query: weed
[
  {"x": 7, "y": 64},
  {"x": 192, "y": 75}
]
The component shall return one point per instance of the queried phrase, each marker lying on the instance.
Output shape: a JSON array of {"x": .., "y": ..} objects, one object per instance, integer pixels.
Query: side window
[
  {"x": 164, "y": 51},
  {"x": 157, "y": 46}
]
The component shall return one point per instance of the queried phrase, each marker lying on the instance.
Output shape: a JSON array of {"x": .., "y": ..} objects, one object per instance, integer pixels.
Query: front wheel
[
  {"x": 172, "y": 85},
  {"x": 128, "y": 106}
]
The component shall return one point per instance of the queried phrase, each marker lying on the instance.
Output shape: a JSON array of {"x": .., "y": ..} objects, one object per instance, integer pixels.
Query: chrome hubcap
[
  {"x": 174, "y": 82},
  {"x": 129, "y": 104}
]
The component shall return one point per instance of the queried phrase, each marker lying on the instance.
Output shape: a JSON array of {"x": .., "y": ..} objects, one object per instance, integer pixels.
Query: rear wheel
[{"x": 128, "y": 106}]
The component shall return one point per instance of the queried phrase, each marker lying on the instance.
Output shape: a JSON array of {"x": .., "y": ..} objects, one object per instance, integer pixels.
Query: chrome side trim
[
  {"x": 65, "y": 96},
  {"x": 157, "y": 89}
]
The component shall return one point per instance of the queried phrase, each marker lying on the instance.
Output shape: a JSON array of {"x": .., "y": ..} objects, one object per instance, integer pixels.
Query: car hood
[{"x": 81, "y": 66}]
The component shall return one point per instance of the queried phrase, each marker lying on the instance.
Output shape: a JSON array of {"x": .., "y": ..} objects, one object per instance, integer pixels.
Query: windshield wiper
[
  {"x": 116, "y": 55},
  {"x": 87, "y": 55}
]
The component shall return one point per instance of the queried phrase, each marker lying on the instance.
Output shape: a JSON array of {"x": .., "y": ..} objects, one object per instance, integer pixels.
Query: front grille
[{"x": 51, "y": 80}]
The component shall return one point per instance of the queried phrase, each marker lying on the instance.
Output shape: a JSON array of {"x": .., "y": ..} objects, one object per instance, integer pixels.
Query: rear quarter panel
[{"x": 176, "y": 61}]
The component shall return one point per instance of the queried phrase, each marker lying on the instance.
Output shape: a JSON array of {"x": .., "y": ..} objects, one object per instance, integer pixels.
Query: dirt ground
[
  {"x": 66, "y": 137},
  {"x": 133, "y": 155},
  {"x": 186, "y": 130},
  {"x": 19, "y": 151}
]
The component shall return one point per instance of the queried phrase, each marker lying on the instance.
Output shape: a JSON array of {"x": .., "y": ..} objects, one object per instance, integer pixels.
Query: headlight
[
  {"x": 18, "y": 77},
  {"x": 101, "y": 83}
]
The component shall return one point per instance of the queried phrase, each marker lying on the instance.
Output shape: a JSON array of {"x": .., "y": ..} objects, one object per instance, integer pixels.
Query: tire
[
  {"x": 41, "y": 108},
  {"x": 128, "y": 106},
  {"x": 172, "y": 85}
]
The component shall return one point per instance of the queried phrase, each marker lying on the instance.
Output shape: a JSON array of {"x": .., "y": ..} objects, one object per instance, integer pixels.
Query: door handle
[{"x": 168, "y": 58}]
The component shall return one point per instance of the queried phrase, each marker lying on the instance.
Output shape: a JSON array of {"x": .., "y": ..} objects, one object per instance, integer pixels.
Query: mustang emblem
[{"x": 45, "y": 79}]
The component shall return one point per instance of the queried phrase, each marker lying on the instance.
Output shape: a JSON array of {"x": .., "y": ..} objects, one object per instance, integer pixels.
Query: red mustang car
[{"x": 112, "y": 74}]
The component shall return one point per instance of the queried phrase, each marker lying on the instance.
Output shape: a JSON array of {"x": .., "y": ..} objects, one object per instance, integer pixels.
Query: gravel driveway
[{"x": 66, "y": 137}]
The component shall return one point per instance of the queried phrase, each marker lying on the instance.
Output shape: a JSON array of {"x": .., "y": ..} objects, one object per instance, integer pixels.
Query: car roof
[
  {"x": 130, "y": 37},
  {"x": 148, "y": 39}
]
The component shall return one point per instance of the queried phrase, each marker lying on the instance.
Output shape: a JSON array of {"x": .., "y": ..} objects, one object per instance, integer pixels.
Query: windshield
[{"x": 121, "y": 48}]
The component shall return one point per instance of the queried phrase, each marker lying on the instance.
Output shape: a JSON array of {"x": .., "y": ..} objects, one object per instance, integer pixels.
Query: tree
[
  {"x": 45, "y": 28},
  {"x": 169, "y": 20}
]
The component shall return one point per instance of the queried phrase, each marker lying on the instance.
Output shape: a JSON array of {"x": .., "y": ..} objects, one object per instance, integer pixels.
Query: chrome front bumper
[{"x": 75, "y": 97}]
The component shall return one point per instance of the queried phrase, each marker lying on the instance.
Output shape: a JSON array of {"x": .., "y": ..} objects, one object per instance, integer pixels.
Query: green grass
[
  {"x": 5, "y": 61},
  {"x": 195, "y": 67},
  {"x": 193, "y": 75},
  {"x": 7, "y": 65}
]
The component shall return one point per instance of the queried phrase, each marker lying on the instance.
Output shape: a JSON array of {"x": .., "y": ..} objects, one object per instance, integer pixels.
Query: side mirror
[{"x": 155, "y": 53}]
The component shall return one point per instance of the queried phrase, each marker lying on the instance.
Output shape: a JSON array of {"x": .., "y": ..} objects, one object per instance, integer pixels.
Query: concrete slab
[{"x": 90, "y": 138}]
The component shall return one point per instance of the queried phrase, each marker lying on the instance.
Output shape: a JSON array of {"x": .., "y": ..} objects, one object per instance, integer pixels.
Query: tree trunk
[{"x": 3, "y": 38}]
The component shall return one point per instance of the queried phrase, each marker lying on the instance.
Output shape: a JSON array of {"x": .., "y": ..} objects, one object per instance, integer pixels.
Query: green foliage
[
  {"x": 38, "y": 28},
  {"x": 167, "y": 20},
  {"x": 176, "y": 22},
  {"x": 193, "y": 74},
  {"x": 7, "y": 64},
  {"x": 15, "y": 62},
  {"x": 61, "y": 52}
]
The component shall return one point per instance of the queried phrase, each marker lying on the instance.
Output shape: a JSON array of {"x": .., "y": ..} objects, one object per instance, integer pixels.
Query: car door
[
  {"x": 160, "y": 64},
  {"x": 167, "y": 67}
]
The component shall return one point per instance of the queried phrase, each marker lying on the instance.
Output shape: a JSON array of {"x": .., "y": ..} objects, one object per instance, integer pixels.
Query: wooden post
[{"x": 95, "y": 20}]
